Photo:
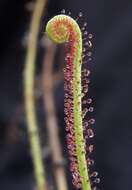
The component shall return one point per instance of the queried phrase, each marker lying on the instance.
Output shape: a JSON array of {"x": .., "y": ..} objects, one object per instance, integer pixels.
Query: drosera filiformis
[{"x": 64, "y": 29}]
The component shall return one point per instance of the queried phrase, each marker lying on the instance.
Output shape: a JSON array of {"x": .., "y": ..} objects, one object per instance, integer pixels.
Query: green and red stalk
[{"x": 64, "y": 29}]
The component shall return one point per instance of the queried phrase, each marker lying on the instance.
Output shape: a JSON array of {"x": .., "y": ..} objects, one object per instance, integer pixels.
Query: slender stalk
[
  {"x": 29, "y": 74},
  {"x": 51, "y": 120},
  {"x": 60, "y": 29}
]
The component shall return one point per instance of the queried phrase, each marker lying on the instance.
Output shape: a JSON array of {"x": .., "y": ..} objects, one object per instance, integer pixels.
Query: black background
[{"x": 110, "y": 22}]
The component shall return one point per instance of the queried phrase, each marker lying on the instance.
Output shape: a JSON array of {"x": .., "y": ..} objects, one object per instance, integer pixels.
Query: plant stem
[
  {"x": 51, "y": 119},
  {"x": 29, "y": 74},
  {"x": 60, "y": 29},
  {"x": 79, "y": 138}
]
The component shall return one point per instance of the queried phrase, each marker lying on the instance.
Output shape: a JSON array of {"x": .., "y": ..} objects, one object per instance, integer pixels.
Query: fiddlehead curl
[{"x": 60, "y": 29}]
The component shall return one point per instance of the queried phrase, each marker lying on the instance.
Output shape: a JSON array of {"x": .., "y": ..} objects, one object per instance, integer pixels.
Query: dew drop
[
  {"x": 90, "y": 36},
  {"x": 89, "y": 101},
  {"x": 69, "y": 136},
  {"x": 76, "y": 184},
  {"x": 76, "y": 176},
  {"x": 92, "y": 121},
  {"x": 67, "y": 129},
  {"x": 86, "y": 72},
  {"x": 91, "y": 148},
  {"x": 83, "y": 28},
  {"x": 91, "y": 109},
  {"x": 85, "y": 124},
  {"x": 86, "y": 81},
  {"x": 90, "y": 162},
  {"x": 86, "y": 43},
  {"x": 84, "y": 49},
  {"x": 68, "y": 55},
  {"x": 82, "y": 95},
  {"x": 84, "y": 112},
  {"x": 71, "y": 147},
  {"x": 67, "y": 104},
  {"x": 85, "y": 24},
  {"x": 84, "y": 101},
  {"x": 85, "y": 33},
  {"x": 66, "y": 95},
  {"x": 72, "y": 153},
  {"x": 89, "y": 53},
  {"x": 68, "y": 76},
  {"x": 73, "y": 159},
  {"x": 85, "y": 89},
  {"x": 72, "y": 166},
  {"x": 94, "y": 174},
  {"x": 66, "y": 59},
  {"x": 85, "y": 61},
  {"x": 90, "y": 133},
  {"x": 63, "y": 11},
  {"x": 90, "y": 59},
  {"x": 80, "y": 14},
  {"x": 97, "y": 180},
  {"x": 90, "y": 43}
]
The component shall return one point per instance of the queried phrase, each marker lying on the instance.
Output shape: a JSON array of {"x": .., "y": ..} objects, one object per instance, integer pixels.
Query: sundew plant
[{"x": 64, "y": 29}]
